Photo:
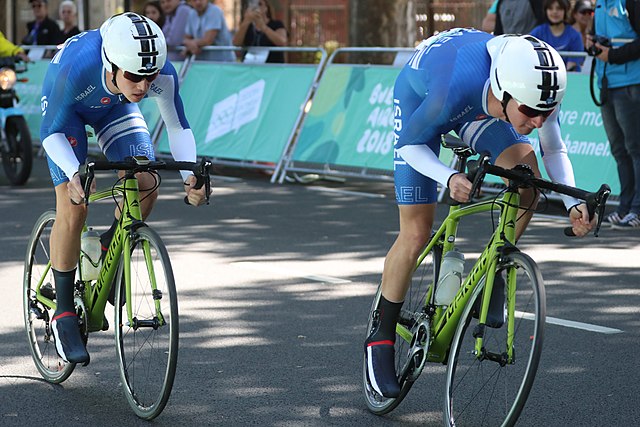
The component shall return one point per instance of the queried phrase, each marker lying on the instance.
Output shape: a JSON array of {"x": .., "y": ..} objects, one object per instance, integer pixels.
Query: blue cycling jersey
[
  {"x": 75, "y": 94},
  {"x": 444, "y": 87}
]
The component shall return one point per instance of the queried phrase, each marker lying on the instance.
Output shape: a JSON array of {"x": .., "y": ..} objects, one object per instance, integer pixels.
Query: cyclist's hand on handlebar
[
  {"x": 195, "y": 197},
  {"x": 579, "y": 217},
  {"x": 76, "y": 191},
  {"x": 460, "y": 187}
]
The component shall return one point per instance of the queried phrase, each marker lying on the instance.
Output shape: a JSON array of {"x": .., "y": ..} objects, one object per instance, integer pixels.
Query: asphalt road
[{"x": 275, "y": 283}]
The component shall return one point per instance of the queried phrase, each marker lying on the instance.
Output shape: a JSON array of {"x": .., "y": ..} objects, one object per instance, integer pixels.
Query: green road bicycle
[
  {"x": 490, "y": 370},
  {"x": 146, "y": 304}
]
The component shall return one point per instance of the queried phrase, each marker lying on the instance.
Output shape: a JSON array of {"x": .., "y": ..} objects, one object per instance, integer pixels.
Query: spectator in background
[
  {"x": 489, "y": 21},
  {"x": 559, "y": 34},
  {"x": 206, "y": 26},
  {"x": 618, "y": 70},
  {"x": 153, "y": 11},
  {"x": 582, "y": 18},
  {"x": 68, "y": 13},
  {"x": 518, "y": 16},
  {"x": 176, "y": 13},
  {"x": 42, "y": 30},
  {"x": 258, "y": 28}
]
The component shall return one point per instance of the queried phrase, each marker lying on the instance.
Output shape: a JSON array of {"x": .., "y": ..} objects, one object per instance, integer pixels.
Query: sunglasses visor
[
  {"x": 532, "y": 113},
  {"x": 137, "y": 78}
]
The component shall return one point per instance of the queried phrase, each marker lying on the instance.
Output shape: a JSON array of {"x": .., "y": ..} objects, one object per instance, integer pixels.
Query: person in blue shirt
[
  {"x": 491, "y": 91},
  {"x": 617, "y": 66},
  {"x": 96, "y": 79},
  {"x": 206, "y": 26},
  {"x": 558, "y": 34}
]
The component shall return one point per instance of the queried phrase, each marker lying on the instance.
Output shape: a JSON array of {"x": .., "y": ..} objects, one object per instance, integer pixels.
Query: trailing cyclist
[
  {"x": 97, "y": 78},
  {"x": 490, "y": 91}
]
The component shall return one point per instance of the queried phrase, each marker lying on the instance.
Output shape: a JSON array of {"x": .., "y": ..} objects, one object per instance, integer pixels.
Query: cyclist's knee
[
  {"x": 414, "y": 241},
  {"x": 529, "y": 198}
]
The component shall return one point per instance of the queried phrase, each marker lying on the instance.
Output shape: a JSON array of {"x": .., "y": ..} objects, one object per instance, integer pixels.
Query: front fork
[
  {"x": 134, "y": 322},
  {"x": 481, "y": 352}
]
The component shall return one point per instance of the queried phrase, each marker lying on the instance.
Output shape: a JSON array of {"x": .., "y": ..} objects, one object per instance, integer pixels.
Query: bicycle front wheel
[
  {"x": 412, "y": 334},
  {"x": 147, "y": 342},
  {"x": 491, "y": 387},
  {"x": 38, "y": 277}
]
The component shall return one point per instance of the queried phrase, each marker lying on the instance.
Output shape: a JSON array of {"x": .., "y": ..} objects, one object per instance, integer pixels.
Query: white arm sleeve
[
  {"x": 182, "y": 144},
  {"x": 425, "y": 161},
  {"x": 61, "y": 153},
  {"x": 554, "y": 156}
]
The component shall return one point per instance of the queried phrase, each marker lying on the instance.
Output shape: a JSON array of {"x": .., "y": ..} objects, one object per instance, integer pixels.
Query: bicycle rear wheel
[
  {"x": 489, "y": 389},
  {"x": 411, "y": 327},
  {"x": 37, "y": 316},
  {"x": 147, "y": 347}
]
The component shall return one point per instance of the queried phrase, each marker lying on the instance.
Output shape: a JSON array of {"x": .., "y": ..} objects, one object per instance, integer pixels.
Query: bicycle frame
[
  {"x": 95, "y": 294},
  {"x": 444, "y": 322}
]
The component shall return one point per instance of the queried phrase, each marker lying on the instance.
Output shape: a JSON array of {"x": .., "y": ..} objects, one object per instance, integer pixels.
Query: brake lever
[
  {"x": 597, "y": 204},
  {"x": 601, "y": 200},
  {"x": 85, "y": 173},
  {"x": 202, "y": 178},
  {"x": 476, "y": 173}
]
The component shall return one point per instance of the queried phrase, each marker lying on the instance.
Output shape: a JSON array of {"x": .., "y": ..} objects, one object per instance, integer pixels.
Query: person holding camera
[
  {"x": 618, "y": 71},
  {"x": 258, "y": 28}
]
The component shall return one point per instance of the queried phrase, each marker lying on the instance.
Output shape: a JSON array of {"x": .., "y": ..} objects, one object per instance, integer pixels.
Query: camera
[{"x": 595, "y": 51}]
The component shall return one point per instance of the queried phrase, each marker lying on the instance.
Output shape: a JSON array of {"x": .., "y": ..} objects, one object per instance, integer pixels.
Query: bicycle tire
[
  {"x": 37, "y": 317},
  {"x": 17, "y": 160},
  {"x": 471, "y": 392},
  {"x": 147, "y": 352},
  {"x": 413, "y": 307}
]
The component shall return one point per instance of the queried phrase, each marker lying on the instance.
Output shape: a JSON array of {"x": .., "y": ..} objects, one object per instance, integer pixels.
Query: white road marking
[
  {"x": 573, "y": 324},
  {"x": 256, "y": 266}
]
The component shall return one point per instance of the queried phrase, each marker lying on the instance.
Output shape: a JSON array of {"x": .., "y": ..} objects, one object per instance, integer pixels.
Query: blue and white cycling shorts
[
  {"x": 489, "y": 135},
  {"x": 121, "y": 133}
]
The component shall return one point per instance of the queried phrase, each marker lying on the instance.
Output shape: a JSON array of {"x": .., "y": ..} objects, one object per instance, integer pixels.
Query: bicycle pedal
[
  {"x": 48, "y": 291},
  {"x": 37, "y": 311}
]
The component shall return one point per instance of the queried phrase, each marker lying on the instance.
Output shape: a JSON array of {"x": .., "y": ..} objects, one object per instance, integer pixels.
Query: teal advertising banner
[
  {"x": 351, "y": 120},
  {"x": 350, "y": 124},
  {"x": 30, "y": 93},
  {"x": 243, "y": 112}
]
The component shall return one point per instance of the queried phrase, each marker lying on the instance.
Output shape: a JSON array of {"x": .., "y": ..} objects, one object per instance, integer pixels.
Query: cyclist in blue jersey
[
  {"x": 96, "y": 79},
  {"x": 491, "y": 91}
]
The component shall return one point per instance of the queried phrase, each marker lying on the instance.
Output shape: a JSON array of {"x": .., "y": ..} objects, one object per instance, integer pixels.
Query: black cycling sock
[
  {"x": 389, "y": 312},
  {"x": 64, "y": 281},
  {"x": 105, "y": 238}
]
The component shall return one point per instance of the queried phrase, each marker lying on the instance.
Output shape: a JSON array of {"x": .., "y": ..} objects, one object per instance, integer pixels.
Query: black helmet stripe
[
  {"x": 148, "y": 52},
  {"x": 547, "y": 65}
]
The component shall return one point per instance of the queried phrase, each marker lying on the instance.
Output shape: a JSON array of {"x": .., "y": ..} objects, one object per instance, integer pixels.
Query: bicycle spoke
[
  {"x": 411, "y": 317},
  {"x": 147, "y": 345},
  {"x": 484, "y": 390},
  {"x": 37, "y": 315}
]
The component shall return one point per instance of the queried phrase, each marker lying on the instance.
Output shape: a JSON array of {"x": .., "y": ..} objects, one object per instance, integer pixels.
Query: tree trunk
[{"x": 389, "y": 23}]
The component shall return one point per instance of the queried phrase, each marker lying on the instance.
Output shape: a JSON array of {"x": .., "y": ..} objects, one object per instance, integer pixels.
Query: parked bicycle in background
[{"x": 15, "y": 144}]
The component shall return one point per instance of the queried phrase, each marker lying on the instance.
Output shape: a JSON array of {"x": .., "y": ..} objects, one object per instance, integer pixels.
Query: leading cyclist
[
  {"x": 97, "y": 78},
  {"x": 491, "y": 91}
]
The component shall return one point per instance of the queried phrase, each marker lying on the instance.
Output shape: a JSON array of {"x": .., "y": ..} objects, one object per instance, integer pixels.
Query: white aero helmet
[
  {"x": 527, "y": 70},
  {"x": 133, "y": 43}
]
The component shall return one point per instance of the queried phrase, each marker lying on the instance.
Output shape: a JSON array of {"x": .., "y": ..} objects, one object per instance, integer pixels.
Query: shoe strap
[
  {"x": 383, "y": 342},
  {"x": 64, "y": 314}
]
